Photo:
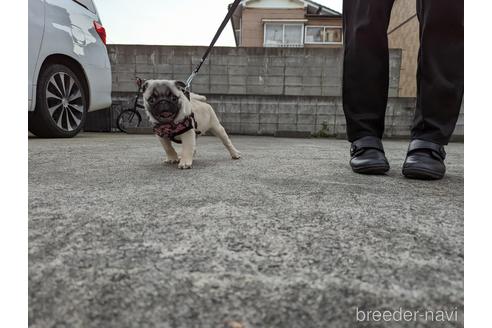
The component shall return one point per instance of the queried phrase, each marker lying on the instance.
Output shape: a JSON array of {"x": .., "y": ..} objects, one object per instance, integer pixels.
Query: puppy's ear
[{"x": 182, "y": 86}]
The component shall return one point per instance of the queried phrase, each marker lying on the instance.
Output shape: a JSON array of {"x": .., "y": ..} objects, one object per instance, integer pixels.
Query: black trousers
[{"x": 439, "y": 74}]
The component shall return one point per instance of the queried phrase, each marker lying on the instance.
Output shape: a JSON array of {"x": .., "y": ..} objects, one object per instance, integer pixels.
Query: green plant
[{"x": 323, "y": 132}]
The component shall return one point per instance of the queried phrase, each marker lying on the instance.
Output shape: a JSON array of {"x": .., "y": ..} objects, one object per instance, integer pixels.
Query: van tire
[{"x": 61, "y": 104}]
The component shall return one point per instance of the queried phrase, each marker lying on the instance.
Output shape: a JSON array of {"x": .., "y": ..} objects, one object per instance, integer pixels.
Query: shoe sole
[
  {"x": 372, "y": 170},
  {"x": 422, "y": 174}
]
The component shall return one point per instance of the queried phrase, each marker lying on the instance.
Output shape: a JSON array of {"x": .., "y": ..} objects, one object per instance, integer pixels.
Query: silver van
[{"x": 69, "y": 69}]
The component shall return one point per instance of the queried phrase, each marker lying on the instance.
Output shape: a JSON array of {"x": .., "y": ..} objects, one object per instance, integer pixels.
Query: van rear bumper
[{"x": 99, "y": 80}]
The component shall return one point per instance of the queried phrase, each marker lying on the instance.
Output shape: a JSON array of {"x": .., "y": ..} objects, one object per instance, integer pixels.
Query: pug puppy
[{"x": 178, "y": 116}]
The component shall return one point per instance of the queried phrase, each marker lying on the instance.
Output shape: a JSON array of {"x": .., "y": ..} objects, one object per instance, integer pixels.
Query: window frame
[
  {"x": 283, "y": 45},
  {"x": 324, "y": 28}
]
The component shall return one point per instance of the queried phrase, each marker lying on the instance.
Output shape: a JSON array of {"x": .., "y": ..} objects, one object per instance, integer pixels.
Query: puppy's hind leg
[
  {"x": 172, "y": 156},
  {"x": 219, "y": 131}
]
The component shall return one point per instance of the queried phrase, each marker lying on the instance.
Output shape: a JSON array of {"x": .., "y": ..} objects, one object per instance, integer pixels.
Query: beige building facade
[
  {"x": 403, "y": 33},
  {"x": 287, "y": 23}
]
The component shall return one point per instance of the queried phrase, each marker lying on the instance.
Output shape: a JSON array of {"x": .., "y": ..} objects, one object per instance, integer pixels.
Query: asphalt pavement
[{"x": 287, "y": 236}]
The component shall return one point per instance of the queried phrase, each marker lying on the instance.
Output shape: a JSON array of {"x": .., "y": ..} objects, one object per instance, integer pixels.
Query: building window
[
  {"x": 284, "y": 35},
  {"x": 324, "y": 35}
]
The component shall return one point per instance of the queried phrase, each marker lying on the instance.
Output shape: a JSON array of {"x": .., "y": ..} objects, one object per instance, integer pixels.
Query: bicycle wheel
[{"x": 128, "y": 118}]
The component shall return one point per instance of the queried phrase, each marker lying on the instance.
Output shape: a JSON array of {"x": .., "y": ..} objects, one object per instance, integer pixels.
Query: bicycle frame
[
  {"x": 129, "y": 114},
  {"x": 137, "y": 96}
]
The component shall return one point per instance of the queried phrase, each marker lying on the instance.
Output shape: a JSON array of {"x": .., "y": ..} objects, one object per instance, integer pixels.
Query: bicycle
[{"x": 131, "y": 118}]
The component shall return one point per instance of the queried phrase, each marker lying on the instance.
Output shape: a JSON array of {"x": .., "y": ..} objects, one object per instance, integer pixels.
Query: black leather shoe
[
  {"x": 368, "y": 156},
  {"x": 425, "y": 161}
]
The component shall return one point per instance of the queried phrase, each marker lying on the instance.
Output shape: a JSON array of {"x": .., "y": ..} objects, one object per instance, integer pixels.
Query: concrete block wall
[
  {"x": 259, "y": 91},
  {"x": 261, "y": 115},
  {"x": 267, "y": 115},
  {"x": 240, "y": 71}
]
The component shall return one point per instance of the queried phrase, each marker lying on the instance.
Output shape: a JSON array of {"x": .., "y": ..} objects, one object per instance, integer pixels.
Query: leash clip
[{"x": 189, "y": 80}]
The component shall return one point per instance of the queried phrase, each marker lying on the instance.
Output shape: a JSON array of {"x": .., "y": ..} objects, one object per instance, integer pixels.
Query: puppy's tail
[{"x": 195, "y": 96}]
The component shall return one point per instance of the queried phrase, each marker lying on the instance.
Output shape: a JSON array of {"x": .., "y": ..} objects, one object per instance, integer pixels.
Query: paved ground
[{"x": 285, "y": 237}]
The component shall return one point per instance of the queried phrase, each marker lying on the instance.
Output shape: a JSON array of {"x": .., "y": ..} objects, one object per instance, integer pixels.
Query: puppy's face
[{"x": 165, "y": 100}]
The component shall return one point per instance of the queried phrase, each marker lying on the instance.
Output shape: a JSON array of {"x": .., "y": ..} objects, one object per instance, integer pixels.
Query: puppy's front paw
[
  {"x": 171, "y": 161},
  {"x": 185, "y": 165},
  {"x": 236, "y": 155}
]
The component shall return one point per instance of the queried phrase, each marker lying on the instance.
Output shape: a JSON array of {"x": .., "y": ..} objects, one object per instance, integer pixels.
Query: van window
[{"x": 87, "y": 4}]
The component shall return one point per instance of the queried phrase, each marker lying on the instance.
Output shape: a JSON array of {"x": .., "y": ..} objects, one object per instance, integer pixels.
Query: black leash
[{"x": 232, "y": 9}]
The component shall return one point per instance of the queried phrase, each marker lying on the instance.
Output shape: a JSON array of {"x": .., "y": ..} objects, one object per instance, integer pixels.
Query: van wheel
[{"x": 61, "y": 104}]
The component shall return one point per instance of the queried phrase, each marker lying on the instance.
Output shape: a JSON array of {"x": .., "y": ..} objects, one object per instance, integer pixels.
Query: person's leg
[
  {"x": 439, "y": 86},
  {"x": 440, "y": 69},
  {"x": 366, "y": 66},
  {"x": 366, "y": 81}
]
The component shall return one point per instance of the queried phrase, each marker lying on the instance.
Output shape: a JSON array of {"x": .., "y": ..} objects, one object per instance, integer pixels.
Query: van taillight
[{"x": 101, "y": 31}]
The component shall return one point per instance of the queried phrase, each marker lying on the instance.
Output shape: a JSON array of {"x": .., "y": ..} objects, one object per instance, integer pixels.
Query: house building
[
  {"x": 403, "y": 33},
  {"x": 286, "y": 23}
]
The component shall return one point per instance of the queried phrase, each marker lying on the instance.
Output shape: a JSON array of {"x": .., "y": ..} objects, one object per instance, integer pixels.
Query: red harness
[{"x": 171, "y": 130}]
